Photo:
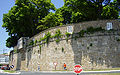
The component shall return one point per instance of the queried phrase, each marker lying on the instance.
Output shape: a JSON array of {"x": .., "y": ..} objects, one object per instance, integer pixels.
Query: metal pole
[
  {"x": 55, "y": 68},
  {"x": 3, "y": 51}
]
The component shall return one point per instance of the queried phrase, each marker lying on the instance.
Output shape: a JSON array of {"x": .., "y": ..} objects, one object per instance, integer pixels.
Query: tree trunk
[{"x": 100, "y": 8}]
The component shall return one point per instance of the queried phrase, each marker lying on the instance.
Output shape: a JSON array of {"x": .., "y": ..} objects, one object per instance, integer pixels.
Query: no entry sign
[
  {"x": 55, "y": 64},
  {"x": 77, "y": 69}
]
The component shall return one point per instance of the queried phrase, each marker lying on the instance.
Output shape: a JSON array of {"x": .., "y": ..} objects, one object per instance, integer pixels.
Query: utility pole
[{"x": 3, "y": 51}]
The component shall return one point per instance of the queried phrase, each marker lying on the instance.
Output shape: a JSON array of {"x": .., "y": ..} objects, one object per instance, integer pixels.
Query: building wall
[
  {"x": 4, "y": 59},
  {"x": 100, "y": 50}
]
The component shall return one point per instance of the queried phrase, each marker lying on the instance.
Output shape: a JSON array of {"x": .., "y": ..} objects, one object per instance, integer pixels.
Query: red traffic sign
[
  {"x": 77, "y": 69},
  {"x": 55, "y": 63}
]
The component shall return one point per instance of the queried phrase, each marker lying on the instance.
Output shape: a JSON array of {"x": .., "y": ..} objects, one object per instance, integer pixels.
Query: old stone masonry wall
[{"x": 94, "y": 45}]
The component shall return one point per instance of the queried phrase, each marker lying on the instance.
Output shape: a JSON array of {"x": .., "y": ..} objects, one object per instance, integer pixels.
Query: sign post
[
  {"x": 55, "y": 64},
  {"x": 77, "y": 69}
]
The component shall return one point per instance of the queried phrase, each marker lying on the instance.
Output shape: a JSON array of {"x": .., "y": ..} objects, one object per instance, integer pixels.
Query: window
[
  {"x": 109, "y": 26},
  {"x": 70, "y": 29}
]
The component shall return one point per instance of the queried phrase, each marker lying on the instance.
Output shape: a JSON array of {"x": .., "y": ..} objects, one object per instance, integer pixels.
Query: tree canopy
[
  {"x": 75, "y": 11},
  {"x": 29, "y": 17},
  {"x": 23, "y": 18}
]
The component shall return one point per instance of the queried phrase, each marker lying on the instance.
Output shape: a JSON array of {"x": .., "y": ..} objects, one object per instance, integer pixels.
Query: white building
[{"x": 4, "y": 59}]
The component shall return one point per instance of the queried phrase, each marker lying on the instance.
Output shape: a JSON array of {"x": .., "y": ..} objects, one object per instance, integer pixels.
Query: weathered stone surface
[{"x": 100, "y": 50}]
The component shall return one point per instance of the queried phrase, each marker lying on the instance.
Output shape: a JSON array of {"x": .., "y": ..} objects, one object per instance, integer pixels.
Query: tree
[
  {"x": 11, "y": 41},
  {"x": 109, "y": 13},
  {"x": 22, "y": 19},
  {"x": 100, "y": 4},
  {"x": 65, "y": 13},
  {"x": 75, "y": 11},
  {"x": 51, "y": 20}
]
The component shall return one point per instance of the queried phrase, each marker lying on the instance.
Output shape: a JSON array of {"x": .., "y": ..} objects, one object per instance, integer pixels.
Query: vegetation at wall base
[{"x": 9, "y": 71}]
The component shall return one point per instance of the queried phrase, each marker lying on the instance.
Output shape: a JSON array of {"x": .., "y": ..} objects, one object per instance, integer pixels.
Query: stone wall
[{"x": 99, "y": 50}]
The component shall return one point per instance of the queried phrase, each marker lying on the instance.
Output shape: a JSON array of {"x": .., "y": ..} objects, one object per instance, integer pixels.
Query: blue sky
[{"x": 5, "y": 6}]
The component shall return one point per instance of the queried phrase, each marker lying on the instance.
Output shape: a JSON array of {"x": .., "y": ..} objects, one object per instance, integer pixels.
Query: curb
[{"x": 108, "y": 71}]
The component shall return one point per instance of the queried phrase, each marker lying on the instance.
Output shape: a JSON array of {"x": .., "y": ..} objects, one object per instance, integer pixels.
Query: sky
[{"x": 5, "y": 6}]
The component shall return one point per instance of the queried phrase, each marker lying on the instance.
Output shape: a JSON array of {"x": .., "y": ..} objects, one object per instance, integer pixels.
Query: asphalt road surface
[{"x": 51, "y": 73}]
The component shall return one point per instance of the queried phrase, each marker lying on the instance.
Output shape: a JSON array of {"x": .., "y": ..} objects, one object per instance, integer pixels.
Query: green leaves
[
  {"x": 109, "y": 13},
  {"x": 11, "y": 41},
  {"x": 25, "y": 17},
  {"x": 51, "y": 20}
]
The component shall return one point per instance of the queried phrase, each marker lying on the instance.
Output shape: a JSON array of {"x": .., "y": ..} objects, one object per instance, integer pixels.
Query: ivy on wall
[
  {"x": 58, "y": 35},
  {"x": 35, "y": 42},
  {"x": 67, "y": 35}
]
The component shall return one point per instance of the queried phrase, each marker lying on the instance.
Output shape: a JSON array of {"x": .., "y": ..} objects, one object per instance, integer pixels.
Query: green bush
[{"x": 31, "y": 42}]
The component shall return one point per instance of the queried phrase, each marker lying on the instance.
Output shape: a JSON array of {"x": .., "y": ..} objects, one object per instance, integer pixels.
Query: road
[{"x": 65, "y": 73}]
